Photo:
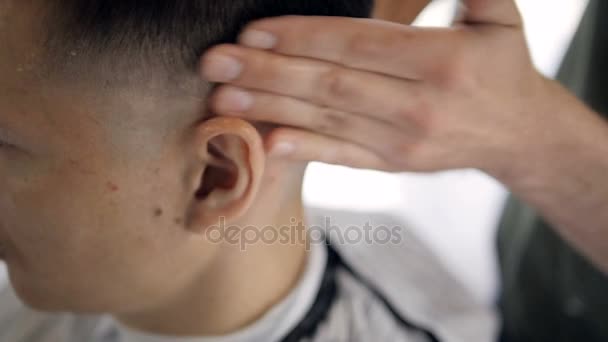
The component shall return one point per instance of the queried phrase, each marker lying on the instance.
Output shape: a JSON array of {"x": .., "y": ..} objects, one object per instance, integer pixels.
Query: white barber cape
[{"x": 348, "y": 292}]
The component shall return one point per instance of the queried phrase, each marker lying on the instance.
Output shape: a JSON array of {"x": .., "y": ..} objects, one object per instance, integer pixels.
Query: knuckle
[
  {"x": 450, "y": 74},
  {"x": 269, "y": 67},
  {"x": 331, "y": 120},
  {"x": 360, "y": 46},
  {"x": 398, "y": 153},
  {"x": 277, "y": 135},
  {"x": 420, "y": 115},
  {"x": 264, "y": 66},
  {"x": 454, "y": 71},
  {"x": 403, "y": 155},
  {"x": 334, "y": 84},
  {"x": 405, "y": 113},
  {"x": 425, "y": 123},
  {"x": 396, "y": 160}
]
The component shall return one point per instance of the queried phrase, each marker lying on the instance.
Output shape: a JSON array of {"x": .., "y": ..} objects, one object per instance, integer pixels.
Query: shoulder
[{"x": 407, "y": 273}]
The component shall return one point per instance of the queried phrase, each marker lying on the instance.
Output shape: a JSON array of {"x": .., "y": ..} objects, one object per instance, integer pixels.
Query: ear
[{"x": 228, "y": 167}]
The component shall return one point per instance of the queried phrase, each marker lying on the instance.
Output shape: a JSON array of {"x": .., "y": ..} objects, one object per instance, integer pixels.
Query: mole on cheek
[
  {"x": 179, "y": 220},
  {"x": 158, "y": 212},
  {"x": 112, "y": 187}
]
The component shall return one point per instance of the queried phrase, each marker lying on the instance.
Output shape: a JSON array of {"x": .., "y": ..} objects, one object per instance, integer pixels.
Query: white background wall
[{"x": 454, "y": 212}]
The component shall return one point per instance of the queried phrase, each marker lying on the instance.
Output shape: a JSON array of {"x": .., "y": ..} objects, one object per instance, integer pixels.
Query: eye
[
  {"x": 4, "y": 144},
  {"x": 5, "y": 137}
]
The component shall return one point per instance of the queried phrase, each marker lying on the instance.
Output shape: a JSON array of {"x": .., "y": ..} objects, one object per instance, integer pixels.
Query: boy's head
[{"x": 109, "y": 164}]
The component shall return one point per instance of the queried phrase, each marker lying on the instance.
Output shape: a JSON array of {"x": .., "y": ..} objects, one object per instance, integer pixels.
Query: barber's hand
[{"x": 372, "y": 94}]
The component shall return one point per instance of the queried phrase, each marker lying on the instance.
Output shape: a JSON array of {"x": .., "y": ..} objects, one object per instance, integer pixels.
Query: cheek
[
  {"x": 50, "y": 227},
  {"x": 78, "y": 232},
  {"x": 61, "y": 226},
  {"x": 52, "y": 211}
]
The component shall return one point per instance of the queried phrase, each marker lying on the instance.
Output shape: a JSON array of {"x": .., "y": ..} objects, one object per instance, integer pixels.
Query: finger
[
  {"x": 324, "y": 84},
  {"x": 366, "y": 44},
  {"x": 492, "y": 12},
  {"x": 366, "y": 131},
  {"x": 299, "y": 145}
]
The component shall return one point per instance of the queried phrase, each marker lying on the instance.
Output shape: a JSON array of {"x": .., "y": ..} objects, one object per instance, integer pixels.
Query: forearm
[{"x": 567, "y": 181}]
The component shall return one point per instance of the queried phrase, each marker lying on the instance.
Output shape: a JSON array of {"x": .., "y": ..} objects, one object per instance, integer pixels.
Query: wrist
[{"x": 567, "y": 149}]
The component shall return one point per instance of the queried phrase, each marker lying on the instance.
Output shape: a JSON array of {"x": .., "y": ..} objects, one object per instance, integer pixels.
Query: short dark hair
[{"x": 171, "y": 34}]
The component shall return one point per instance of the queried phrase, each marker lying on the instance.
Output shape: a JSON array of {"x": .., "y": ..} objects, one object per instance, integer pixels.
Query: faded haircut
[{"x": 133, "y": 38}]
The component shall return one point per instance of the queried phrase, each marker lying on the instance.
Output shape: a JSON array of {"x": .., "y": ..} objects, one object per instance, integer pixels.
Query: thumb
[{"x": 491, "y": 12}]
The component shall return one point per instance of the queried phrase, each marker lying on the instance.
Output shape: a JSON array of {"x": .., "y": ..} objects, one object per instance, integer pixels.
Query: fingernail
[
  {"x": 258, "y": 39},
  {"x": 222, "y": 68},
  {"x": 234, "y": 100},
  {"x": 283, "y": 149}
]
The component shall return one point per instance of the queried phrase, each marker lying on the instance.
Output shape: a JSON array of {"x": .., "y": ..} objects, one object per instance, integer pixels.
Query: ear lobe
[{"x": 232, "y": 155}]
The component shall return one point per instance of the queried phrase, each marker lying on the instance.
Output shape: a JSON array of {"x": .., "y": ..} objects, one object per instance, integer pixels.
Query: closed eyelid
[
  {"x": 4, "y": 136},
  {"x": 7, "y": 138}
]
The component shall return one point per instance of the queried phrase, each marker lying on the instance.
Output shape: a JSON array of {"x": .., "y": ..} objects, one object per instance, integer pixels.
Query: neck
[{"x": 247, "y": 278}]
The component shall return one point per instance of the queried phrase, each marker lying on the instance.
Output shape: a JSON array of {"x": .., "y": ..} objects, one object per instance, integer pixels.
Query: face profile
[{"x": 112, "y": 165}]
